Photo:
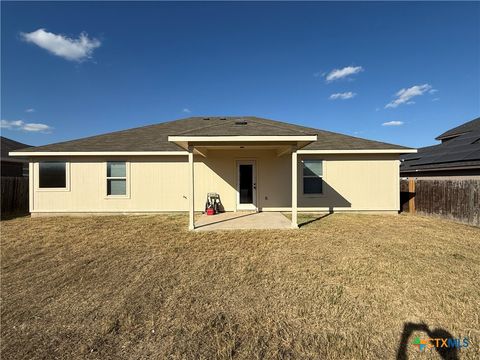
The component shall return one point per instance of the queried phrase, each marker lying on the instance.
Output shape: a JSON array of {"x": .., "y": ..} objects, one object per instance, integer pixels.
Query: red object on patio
[{"x": 210, "y": 211}]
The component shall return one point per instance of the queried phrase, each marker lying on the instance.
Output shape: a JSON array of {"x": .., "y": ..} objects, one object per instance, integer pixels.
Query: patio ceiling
[{"x": 203, "y": 144}]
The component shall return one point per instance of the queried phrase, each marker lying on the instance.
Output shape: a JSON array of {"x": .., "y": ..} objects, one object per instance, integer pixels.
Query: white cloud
[
  {"x": 435, "y": 99},
  {"x": 36, "y": 127},
  {"x": 186, "y": 110},
  {"x": 393, "y": 123},
  {"x": 404, "y": 95},
  {"x": 433, "y": 91},
  {"x": 21, "y": 125},
  {"x": 30, "y": 110},
  {"x": 71, "y": 49},
  {"x": 337, "y": 74},
  {"x": 9, "y": 124},
  {"x": 342, "y": 96}
]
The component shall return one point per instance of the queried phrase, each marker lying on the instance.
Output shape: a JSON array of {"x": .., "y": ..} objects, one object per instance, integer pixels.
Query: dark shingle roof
[
  {"x": 246, "y": 126},
  {"x": 461, "y": 151},
  {"x": 466, "y": 127},
  {"x": 8, "y": 145},
  {"x": 155, "y": 137}
]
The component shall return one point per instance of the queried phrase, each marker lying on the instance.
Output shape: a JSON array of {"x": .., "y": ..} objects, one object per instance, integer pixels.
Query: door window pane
[
  {"x": 246, "y": 184},
  {"x": 52, "y": 174}
]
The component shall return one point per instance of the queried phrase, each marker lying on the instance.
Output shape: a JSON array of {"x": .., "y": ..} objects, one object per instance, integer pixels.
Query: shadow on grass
[
  {"x": 447, "y": 353},
  {"x": 307, "y": 222},
  {"x": 11, "y": 216}
]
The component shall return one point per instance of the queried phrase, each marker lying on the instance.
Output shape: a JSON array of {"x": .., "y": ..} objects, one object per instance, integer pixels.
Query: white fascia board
[
  {"x": 235, "y": 138},
  {"x": 97, "y": 153},
  {"x": 366, "y": 151}
]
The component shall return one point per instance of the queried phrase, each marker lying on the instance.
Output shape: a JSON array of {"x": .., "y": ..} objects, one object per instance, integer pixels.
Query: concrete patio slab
[{"x": 242, "y": 221}]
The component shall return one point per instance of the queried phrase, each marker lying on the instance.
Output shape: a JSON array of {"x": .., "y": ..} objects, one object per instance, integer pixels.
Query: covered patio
[
  {"x": 243, "y": 221},
  {"x": 280, "y": 145}
]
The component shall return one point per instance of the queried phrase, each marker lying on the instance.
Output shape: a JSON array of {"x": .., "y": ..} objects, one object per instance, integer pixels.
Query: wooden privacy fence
[
  {"x": 456, "y": 199},
  {"x": 14, "y": 195}
]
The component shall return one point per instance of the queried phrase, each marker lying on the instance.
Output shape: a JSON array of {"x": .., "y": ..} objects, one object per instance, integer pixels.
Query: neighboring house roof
[
  {"x": 464, "y": 128},
  {"x": 460, "y": 152},
  {"x": 155, "y": 137},
  {"x": 8, "y": 145}
]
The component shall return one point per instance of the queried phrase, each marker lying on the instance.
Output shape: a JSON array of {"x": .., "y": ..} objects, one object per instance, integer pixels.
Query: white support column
[
  {"x": 294, "y": 188},
  {"x": 191, "y": 190},
  {"x": 31, "y": 188}
]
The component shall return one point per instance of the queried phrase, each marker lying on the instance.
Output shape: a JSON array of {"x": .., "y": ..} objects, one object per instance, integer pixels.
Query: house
[
  {"x": 253, "y": 163},
  {"x": 458, "y": 154},
  {"x": 12, "y": 166}
]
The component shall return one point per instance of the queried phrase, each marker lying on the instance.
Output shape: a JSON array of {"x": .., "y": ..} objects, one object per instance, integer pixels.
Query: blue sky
[{"x": 344, "y": 67}]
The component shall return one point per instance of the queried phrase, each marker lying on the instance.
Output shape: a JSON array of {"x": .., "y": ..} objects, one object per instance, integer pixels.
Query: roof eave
[
  {"x": 359, "y": 151},
  {"x": 97, "y": 153},
  {"x": 440, "y": 168},
  {"x": 450, "y": 136}
]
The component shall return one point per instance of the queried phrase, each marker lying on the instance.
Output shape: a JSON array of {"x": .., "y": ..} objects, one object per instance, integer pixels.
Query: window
[
  {"x": 312, "y": 176},
  {"x": 52, "y": 174},
  {"x": 116, "y": 178}
]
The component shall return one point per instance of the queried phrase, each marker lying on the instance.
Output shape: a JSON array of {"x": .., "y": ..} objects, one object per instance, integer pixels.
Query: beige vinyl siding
[
  {"x": 160, "y": 183},
  {"x": 155, "y": 184},
  {"x": 355, "y": 182}
]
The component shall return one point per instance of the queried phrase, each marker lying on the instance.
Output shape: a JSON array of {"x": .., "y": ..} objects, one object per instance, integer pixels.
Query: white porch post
[
  {"x": 294, "y": 188},
  {"x": 191, "y": 190},
  {"x": 31, "y": 187}
]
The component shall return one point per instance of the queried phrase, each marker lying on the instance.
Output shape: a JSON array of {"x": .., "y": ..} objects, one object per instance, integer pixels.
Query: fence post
[{"x": 411, "y": 195}]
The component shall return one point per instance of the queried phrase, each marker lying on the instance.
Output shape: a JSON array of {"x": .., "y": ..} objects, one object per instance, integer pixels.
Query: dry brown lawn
[{"x": 342, "y": 287}]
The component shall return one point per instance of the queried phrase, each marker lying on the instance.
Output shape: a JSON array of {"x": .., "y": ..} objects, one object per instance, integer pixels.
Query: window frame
[
  {"x": 126, "y": 178},
  {"x": 57, "y": 189},
  {"x": 320, "y": 194}
]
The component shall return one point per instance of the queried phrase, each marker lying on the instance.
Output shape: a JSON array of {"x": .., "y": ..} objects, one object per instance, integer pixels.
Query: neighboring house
[
  {"x": 458, "y": 154},
  {"x": 12, "y": 166},
  {"x": 172, "y": 166}
]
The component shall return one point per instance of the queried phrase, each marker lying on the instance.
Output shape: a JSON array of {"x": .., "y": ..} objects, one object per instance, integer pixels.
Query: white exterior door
[{"x": 246, "y": 185}]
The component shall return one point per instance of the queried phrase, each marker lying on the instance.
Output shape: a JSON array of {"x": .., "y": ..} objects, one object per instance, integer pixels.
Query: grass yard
[{"x": 343, "y": 287}]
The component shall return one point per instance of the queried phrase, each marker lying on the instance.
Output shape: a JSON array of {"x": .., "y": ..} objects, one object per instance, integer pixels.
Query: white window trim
[
  {"x": 126, "y": 177},
  {"x": 37, "y": 178},
  {"x": 322, "y": 194}
]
